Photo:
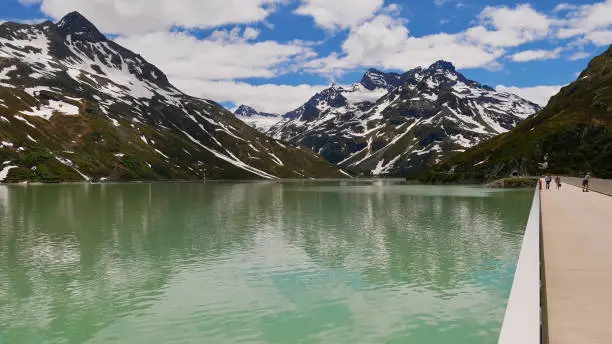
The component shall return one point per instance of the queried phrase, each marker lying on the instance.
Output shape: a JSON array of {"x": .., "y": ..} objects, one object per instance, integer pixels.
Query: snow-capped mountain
[
  {"x": 261, "y": 121},
  {"x": 374, "y": 79},
  {"x": 75, "y": 105},
  {"x": 336, "y": 97},
  {"x": 391, "y": 124},
  {"x": 570, "y": 136}
]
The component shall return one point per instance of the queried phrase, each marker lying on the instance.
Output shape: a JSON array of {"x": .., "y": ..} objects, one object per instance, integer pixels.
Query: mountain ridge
[
  {"x": 76, "y": 106},
  {"x": 389, "y": 124},
  {"x": 572, "y": 135}
]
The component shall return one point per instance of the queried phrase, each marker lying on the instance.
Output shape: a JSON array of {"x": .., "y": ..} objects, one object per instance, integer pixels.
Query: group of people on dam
[{"x": 548, "y": 179}]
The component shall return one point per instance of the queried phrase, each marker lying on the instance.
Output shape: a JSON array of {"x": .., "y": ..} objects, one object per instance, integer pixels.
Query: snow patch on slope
[
  {"x": 5, "y": 171},
  {"x": 261, "y": 123},
  {"x": 359, "y": 94},
  {"x": 54, "y": 106}
]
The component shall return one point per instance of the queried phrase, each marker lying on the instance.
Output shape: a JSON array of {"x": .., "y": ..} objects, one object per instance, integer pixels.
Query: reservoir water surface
[{"x": 257, "y": 262}]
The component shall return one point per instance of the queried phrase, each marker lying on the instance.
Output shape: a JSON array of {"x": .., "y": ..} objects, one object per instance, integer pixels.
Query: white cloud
[
  {"x": 537, "y": 94},
  {"x": 444, "y": 2},
  {"x": 498, "y": 38},
  {"x": 601, "y": 37},
  {"x": 441, "y": 2},
  {"x": 522, "y": 17},
  {"x": 592, "y": 23},
  {"x": 564, "y": 7},
  {"x": 510, "y": 27},
  {"x": 538, "y": 54},
  {"x": 386, "y": 42},
  {"x": 223, "y": 56},
  {"x": 142, "y": 16},
  {"x": 339, "y": 14},
  {"x": 392, "y": 10},
  {"x": 23, "y": 21},
  {"x": 268, "y": 98},
  {"x": 235, "y": 35},
  {"x": 579, "y": 56}
]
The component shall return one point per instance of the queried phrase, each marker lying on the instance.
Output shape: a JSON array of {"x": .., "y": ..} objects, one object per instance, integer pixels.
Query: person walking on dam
[
  {"x": 548, "y": 179},
  {"x": 558, "y": 182},
  {"x": 585, "y": 182}
]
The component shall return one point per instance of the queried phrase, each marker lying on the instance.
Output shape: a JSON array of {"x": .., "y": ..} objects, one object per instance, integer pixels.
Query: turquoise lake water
[{"x": 270, "y": 262}]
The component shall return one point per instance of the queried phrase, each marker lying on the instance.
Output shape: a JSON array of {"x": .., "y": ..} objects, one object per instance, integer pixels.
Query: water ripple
[{"x": 330, "y": 262}]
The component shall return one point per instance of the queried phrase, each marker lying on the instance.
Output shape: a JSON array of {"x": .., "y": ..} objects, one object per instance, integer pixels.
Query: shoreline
[
  {"x": 280, "y": 180},
  {"x": 268, "y": 181}
]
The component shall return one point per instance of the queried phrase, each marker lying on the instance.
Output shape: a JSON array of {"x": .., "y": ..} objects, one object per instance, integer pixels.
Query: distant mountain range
[
  {"x": 391, "y": 124},
  {"x": 261, "y": 121},
  {"x": 572, "y": 135},
  {"x": 77, "y": 106}
]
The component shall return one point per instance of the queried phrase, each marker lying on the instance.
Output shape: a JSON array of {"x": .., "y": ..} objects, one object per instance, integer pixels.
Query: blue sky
[{"x": 274, "y": 54}]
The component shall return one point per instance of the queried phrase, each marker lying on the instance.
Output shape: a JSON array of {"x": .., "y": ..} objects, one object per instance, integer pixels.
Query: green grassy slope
[{"x": 56, "y": 150}]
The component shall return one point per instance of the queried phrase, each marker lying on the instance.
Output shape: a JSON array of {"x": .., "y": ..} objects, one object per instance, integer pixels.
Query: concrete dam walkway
[{"x": 577, "y": 251}]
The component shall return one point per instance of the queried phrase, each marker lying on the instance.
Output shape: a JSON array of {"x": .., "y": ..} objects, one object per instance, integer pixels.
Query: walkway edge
[{"x": 522, "y": 320}]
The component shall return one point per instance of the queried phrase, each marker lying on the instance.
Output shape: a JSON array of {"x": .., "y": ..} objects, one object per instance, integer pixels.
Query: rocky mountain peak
[
  {"x": 332, "y": 96},
  {"x": 442, "y": 65},
  {"x": 374, "y": 79},
  {"x": 248, "y": 111},
  {"x": 76, "y": 25},
  {"x": 446, "y": 74},
  {"x": 245, "y": 110},
  {"x": 373, "y": 72},
  {"x": 329, "y": 97}
]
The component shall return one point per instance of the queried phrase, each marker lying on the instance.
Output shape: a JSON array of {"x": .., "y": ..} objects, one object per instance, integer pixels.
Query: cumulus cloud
[
  {"x": 537, "y": 94},
  {"x": 537, "y": 54},
  {"x": 268, "y": 97},
  {"x": 339, "y": 14},
  {"x": 592, "y": 23},
  {"x": 504, "y": 26},
  {"x": 386, "y": 42},
  {"x": 522, "y": 17},
  {"x": 579, "y": 56},
  {"x": 499, "y": 38},
  {"x": 235, "y": 35},
  {"x": 564, "y": 7},
  {"x": 222, "y": 56},
  {"x": 143, "y": 16},
  {"x": 600, "y": 38}
]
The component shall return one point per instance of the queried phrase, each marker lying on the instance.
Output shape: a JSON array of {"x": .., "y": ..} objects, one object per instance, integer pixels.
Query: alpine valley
[
  {"x": 76, "y": 106},
  {"x": 393, "y": 124}
]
